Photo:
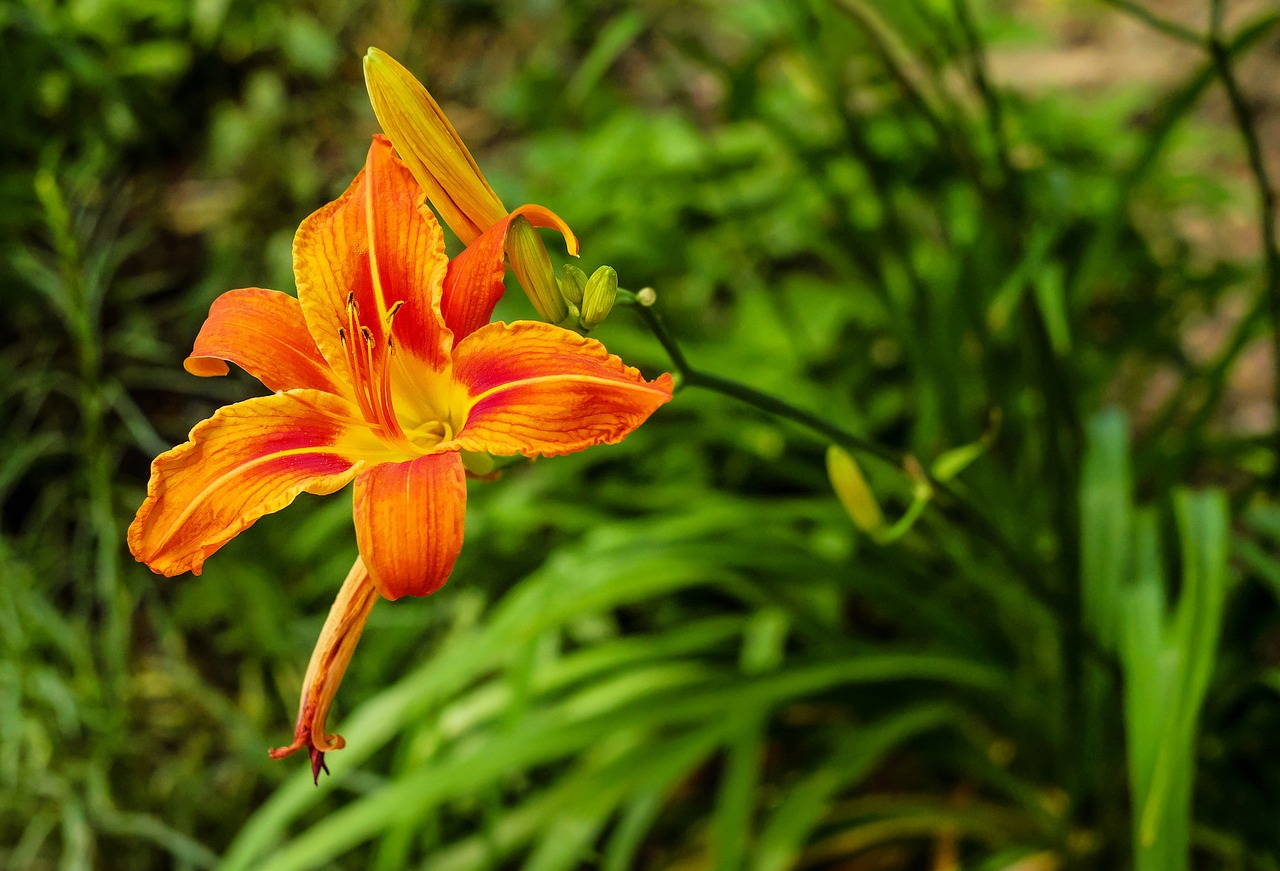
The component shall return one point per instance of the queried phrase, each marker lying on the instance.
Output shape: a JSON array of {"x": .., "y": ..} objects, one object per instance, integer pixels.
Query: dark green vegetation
[{"x": 678, "y": 652}]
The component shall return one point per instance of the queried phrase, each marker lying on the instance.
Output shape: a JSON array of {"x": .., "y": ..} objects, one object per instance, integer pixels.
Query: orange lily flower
[
  {"x": 457, "y": 189},
  {"x": 385, "y": 369}
]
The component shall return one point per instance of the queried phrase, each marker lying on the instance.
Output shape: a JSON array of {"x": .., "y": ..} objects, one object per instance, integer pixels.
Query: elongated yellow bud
[
  {"x": 598, "y": 296},
  {"x": 532, "y": 265},
  {"x": 852, "y": 489},
  {"x": 431, "y": 148}
]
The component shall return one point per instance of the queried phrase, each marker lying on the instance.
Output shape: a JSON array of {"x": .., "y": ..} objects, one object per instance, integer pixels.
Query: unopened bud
[
  {"x": 532, "y": 265},
  {"x": 573, "y": 283},
  {"x": 852, "y": 489},
  {"x": 431, "y": 148},
  {"x": 646, "y": 296},
  {"x": 598, "y": 296},
  {"x": 477, "y": 464}
]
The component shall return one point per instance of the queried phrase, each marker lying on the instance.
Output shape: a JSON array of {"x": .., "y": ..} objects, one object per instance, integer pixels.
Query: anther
[
  {"x": 368, "y": 335},
  {"x": 342, "y": 336},
  {"x": 395, "y": 307}
]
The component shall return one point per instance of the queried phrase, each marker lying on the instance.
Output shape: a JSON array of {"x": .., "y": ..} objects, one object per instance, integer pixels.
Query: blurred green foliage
[{"x": 677, "y": 652}]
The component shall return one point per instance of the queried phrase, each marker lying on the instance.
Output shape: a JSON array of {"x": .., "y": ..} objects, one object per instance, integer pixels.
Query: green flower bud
[
  {"x": 853, "y": 491},
  {"x": 532, "y": 265},
  {"x": 598, "y": 296},
  {"x": 477, "y": 464},
  {"x": 572, "y": 283}
]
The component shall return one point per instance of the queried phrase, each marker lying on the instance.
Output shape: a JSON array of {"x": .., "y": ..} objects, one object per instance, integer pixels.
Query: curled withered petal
[{"x": 338, "y": 639}]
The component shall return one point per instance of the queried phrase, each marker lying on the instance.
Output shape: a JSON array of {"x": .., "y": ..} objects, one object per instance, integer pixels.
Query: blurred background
[{"x": 1023, "y": 242}]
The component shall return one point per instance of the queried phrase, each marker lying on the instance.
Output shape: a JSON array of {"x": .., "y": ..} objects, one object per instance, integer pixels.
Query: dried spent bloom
[{"x": 384, "y": 370}]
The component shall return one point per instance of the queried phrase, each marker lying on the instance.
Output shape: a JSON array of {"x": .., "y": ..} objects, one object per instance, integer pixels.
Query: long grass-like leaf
[
  {"x": 1168, "y": 660},
  {"x": 784, "y": 835}
]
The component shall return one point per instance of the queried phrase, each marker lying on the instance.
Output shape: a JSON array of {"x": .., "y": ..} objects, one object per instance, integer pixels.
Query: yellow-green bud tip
[
  {"x": 598, "y": 296},
  {"x": 852, "y": 489}
]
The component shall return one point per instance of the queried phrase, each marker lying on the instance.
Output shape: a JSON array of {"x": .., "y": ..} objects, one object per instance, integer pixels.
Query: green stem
[
  {"x": 773, "y": 405},
  {"x": 1164, "y": 25},
  {"x": 776, "y": 406},
  {"x": 982, "y": 81},
  {"x": 1219, "y": 52},
  {"x": 987, "y": 529},
  {"x": 929, "y": 98}
]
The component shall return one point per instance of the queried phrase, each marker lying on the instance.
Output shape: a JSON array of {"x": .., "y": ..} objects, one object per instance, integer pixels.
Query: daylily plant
[{"x": 385, "y": 370}]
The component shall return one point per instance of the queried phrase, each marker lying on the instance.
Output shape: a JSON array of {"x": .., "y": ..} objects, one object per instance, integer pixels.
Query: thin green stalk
[
  {"x": 1215, "y": 374},
  {"x": 1215, "y": 19},
  {"x": 915, "y": 319},
  {"x": 983, "y": 525},
  {"x": 1064, "y": 437},
  {"x": 1245, "y": 122},
  {"x": 1164, "y": 25},
  {"x": 1102, "y": 248},
  {"x": 982, "y": 82},
  {"x": 1191, "y": 432},
  {"x": 896, "y": 58},
  {"x": 80, "y": 308},
  {"x": 1221, "y": 54},
  {"x": 692, "y": 377}
]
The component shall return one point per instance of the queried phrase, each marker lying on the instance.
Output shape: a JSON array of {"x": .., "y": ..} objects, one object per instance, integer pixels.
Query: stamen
[
  {"x": 371, "y": 371},
  {"x": 384, "y": 394},
  {"x": 358, "y": 363},
  {"x": 391, "y": 313}
]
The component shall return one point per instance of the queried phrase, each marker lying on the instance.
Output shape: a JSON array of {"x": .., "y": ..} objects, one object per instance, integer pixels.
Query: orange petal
[
  {"x": 432, "y": 149},
  {"x": 541, "y": 216},
  {"x": 540, "y": 389},
  {"x": 473, "y": 284},
  {"x": 329, "y": 660},
  {"x": 409, "y": 522},
  {"x": 249, "y": 459},
  {"x": 264, "y": 333},
  {"x": 375, "y": 246}
]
